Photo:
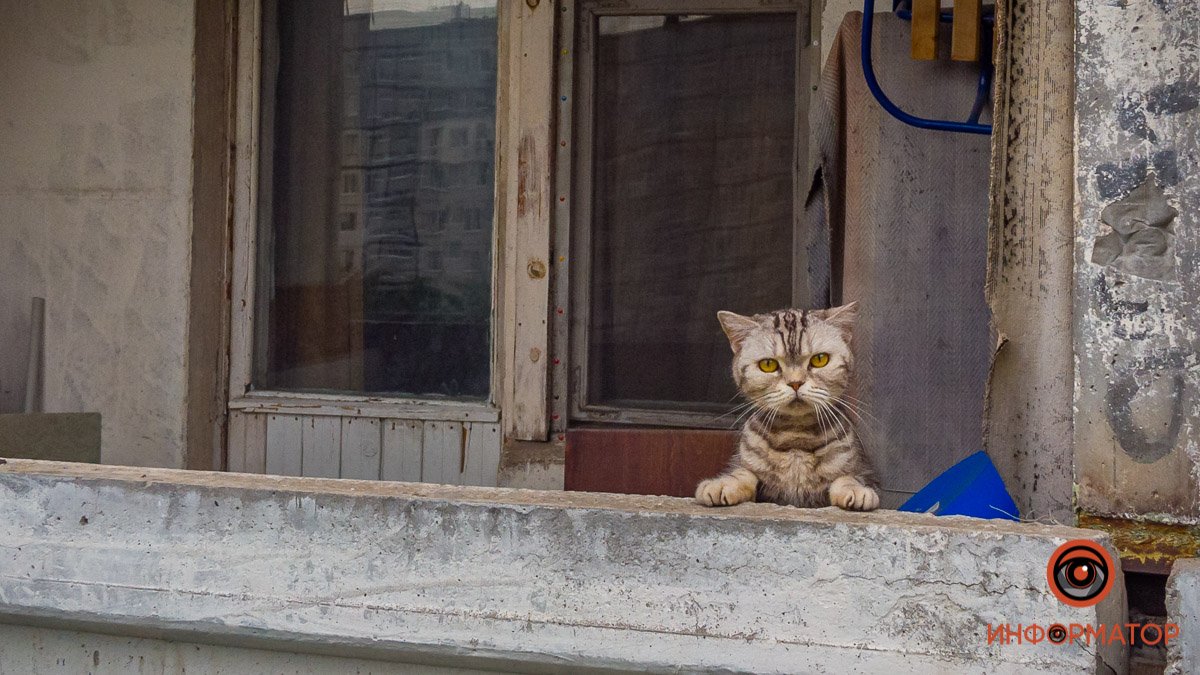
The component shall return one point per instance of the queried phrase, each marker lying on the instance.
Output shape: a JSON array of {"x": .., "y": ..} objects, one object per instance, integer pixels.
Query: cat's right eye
[{"x": 768, "y": 365}]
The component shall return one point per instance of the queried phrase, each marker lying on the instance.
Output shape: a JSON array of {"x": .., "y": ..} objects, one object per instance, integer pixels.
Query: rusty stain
[
  {"x": 535, "y": 354},
  {"x": 536, "y": 269},
  {"x": 1144, "y": 543},
  {"x": 533, "y": 4}
]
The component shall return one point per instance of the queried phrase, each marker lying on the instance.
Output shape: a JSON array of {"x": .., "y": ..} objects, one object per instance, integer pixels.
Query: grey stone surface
[
  {"x": 1183, "y": 608},
  {"x": 517, "y": 579},
  {"x": 1137, "y": 285},
  {"x": 30, "y": 650}
]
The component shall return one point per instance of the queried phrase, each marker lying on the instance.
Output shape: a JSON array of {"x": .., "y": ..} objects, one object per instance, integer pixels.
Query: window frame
[
  {"x": 253, "y": 134},
  {"x": 579, "y": 68}
]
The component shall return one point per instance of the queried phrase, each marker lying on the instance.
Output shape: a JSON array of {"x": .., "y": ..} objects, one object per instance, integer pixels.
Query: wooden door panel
[{"x": 645, "y": 461}]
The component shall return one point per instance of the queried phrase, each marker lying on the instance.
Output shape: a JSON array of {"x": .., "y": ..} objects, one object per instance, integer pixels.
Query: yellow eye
[
  {"x": 768, "y": 365},
  {"x": 819, "y": 360}
]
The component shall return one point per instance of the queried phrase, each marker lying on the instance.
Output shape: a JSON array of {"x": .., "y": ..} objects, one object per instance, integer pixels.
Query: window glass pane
[
  {"x": 378, "y": 168},
  {"x": 692, "y": 212}
]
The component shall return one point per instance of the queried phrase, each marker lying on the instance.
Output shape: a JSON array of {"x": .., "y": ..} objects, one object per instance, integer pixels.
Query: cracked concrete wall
[
  {"x": 95, "y": 191},
  {"x": 1137, "y": 259},
  {"x": 1183, "y": 608},
  {"x": 516, "y": 579}
]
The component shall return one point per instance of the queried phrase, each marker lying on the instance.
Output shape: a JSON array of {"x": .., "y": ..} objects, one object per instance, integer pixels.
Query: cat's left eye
[
  {"x": 819, "y": 360},
  {"x": 768, "y": 365}
]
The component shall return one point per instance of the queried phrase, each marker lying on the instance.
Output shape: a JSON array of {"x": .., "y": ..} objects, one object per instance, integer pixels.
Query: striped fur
[{"x": 799, "y": 446}]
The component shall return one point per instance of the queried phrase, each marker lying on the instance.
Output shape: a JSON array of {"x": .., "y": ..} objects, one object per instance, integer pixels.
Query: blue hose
[{"x": 971, "y": 126}]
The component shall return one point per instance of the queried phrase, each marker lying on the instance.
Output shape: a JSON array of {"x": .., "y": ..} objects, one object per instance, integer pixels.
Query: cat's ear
[
  {"x": 843, "y": 317},
  {"x": 736, "y": 327}
]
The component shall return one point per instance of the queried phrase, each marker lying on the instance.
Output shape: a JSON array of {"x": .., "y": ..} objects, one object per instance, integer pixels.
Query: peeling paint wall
[
  {"x": 95, "y": 189},
  {"x": 1137, "y": 258},
  {"x": 1028, "y": 410}
]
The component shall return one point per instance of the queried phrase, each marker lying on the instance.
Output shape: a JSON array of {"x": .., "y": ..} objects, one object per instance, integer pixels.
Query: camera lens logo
[{"x": 1079, "y": 573}]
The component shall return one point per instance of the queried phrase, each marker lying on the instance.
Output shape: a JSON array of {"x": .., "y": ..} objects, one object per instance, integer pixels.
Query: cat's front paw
[
  {"x": 851, "y": 495},
  {"x": 723, "y": 491}
]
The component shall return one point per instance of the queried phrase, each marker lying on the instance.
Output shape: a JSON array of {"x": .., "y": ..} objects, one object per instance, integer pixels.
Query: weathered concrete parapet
[
  {"x": 1183, "y": 608},
  {"x": 520, "y": 579}
]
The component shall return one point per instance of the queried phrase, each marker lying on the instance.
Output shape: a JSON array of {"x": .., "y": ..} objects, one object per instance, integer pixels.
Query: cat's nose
[{"x": 795, "y": 385}]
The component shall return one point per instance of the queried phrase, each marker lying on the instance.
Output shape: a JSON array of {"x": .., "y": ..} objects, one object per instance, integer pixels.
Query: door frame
[{"x": 572, "y": 239}]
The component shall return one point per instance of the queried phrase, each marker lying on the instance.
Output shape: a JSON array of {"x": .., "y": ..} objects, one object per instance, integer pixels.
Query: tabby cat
[{"x": 799, "y": 446}]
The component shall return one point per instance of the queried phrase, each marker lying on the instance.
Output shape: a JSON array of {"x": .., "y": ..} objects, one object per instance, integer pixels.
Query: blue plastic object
[
  {"x": 972, "y": 487},
  {"x": 972, "y": 125}
]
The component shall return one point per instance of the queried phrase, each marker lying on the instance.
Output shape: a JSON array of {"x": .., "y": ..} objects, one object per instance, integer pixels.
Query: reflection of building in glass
[{"x": 417, "y": 155}]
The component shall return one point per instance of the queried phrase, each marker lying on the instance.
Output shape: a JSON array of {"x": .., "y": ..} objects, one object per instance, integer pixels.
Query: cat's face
[{"x": 792, "y": 359}]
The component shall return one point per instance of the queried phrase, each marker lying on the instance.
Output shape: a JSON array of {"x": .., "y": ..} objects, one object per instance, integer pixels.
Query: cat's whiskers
[
  {"x": 842, "y": 414},
  {"x": 736, "y": 409},
  {"x": 751, "y": 411},
  {"x": 861, "y": 416},
  {"x": 821, "y": 421},
  {"x": 858, "y": 409},
  {"x": 826, "y": 401},
  {"x": 849, "y": 397},
  {"x": 833, "y": 413},
  {"x": 743, "y": 417},
  {"x": 770, "y": 424},
  {"x": 765, "y": 419},
  {"x": 857, "y": 404}
]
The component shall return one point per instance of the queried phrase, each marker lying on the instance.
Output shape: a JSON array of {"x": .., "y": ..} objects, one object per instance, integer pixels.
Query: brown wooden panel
[
  {"x": 60, "y": 437},
  {"x": 645, "y": 461},
  {"x": 925, "y": 29},
  {"x": 966, "y": 37}
]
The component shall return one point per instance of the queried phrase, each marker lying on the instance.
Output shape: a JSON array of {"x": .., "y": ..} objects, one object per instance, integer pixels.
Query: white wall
[
  {"x": 95, "y": 190},
  {"x": 831, "y": 19}
]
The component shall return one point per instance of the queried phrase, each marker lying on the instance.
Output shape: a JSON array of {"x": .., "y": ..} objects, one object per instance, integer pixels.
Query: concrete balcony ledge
[{"x": 516, "y": 579}]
